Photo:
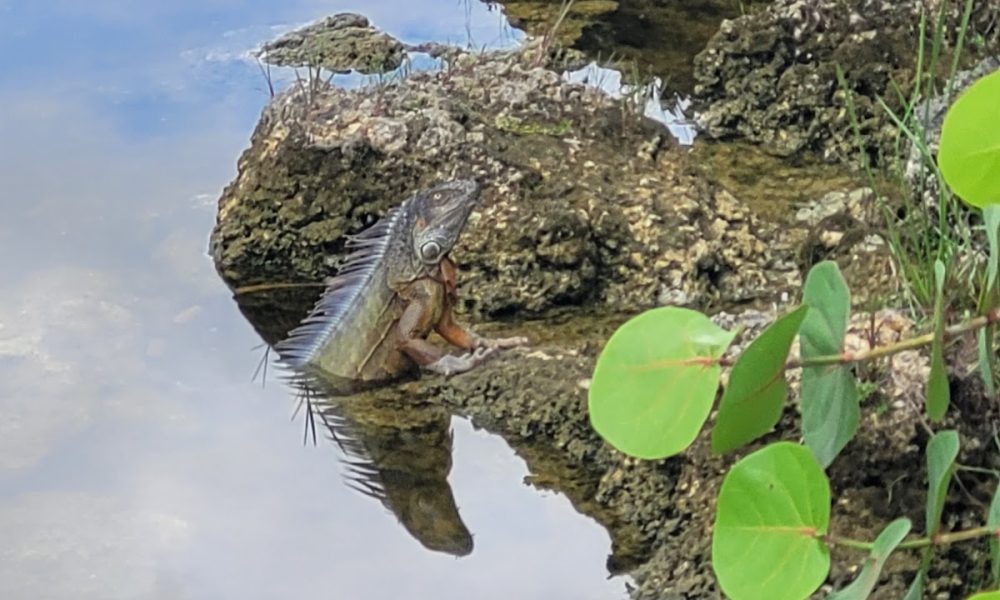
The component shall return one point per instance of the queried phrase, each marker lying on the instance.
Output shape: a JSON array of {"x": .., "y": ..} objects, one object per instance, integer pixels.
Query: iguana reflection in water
[
  {"x": 370, "y": 328},
  {"x": 397, "y": 449},
  {"x": 399, "y": 454}
]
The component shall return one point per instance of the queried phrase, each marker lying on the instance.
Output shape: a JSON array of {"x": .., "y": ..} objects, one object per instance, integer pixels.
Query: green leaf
[
  {"x": 655, "y": 381},
  {"x": 984, "y": 343},
  {"x": 985, "y": 336},
  {"x": 938, "y": 394},
  {"x": 985, "y": 596},
  {"x": 830, "y": 412},
  {"x": 942, "y": 450},
  {"x": 969, "y": 153},
  {"x": 774, "y": 508},
  {"x": 916, "y": 589},
  {"x": 830, "y": 398},
  {"x": 751, "y": 405},
  {"x": 884, "y": 545},
  {"x": 825, "y": 291},
  {"x": 991, "y": 222},
  {"x": 993, "y": 522}
]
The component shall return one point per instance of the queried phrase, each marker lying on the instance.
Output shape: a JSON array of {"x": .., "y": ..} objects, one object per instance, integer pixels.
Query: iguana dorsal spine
[
  {"x": 344, "y": 292},
  {"x": 397, "y": 286}
]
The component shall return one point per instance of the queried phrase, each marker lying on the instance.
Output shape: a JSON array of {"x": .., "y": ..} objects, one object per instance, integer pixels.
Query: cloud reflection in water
[{"x": 136, "y": 458}]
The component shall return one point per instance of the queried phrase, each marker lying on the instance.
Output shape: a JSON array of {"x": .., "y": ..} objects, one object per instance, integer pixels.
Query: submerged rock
[{"x": 339, "y": 44}]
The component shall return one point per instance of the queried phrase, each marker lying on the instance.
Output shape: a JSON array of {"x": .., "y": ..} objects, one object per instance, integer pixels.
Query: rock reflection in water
[{"x": 397, "y": 449}]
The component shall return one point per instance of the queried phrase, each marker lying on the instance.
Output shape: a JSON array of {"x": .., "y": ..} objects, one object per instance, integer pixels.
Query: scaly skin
[{"x": 372, "y": 323}]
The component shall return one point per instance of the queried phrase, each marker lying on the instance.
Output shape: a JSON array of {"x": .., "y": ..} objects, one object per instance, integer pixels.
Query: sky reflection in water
[{"x": 136, "y": 458}]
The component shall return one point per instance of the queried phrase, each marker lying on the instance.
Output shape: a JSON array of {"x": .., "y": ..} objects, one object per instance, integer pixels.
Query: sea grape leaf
[
  {"x": 942, "y": 450},
  {"x": 938, "y": 394},
  {"x": 826, "y": 293},
  {"x": 773, "y": 509},
  {"x": 751, "y": 404},
  {"x": 830, "y": 412},
  {"x": 991, "y": 222},
  {"x": 830, "y": 397},
  {"x": 655, "y": 381},
  {"x": 884, "y": 545},
  {"x": 969, "y": 151}
]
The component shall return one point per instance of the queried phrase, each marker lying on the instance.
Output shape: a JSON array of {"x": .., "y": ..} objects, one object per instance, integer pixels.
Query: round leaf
[
  {"x": 655, "y": 381},
  {"x": 969, "y": 153},
  {"x": 774, "y": 506}
]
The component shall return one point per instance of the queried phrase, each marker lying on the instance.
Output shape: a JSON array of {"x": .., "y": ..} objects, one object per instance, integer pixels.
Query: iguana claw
[{"x": 450, "y": 364}]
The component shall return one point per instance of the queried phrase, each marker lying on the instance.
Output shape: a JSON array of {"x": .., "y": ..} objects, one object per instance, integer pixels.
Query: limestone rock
[
  {"x": 584, "y": 203},
  {"x": 771, "y": 76},
  {"x": 339, "y": 44}
]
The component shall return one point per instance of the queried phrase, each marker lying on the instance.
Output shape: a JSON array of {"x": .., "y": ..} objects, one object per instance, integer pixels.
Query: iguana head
[{"x": 441, "y": 213}]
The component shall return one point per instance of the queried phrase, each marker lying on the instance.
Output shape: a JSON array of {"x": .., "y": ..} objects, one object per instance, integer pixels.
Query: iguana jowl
[{"x": 397, "y": 286}]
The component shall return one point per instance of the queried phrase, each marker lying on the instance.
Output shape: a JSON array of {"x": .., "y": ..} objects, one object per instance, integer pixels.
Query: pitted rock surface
[
  {"x": 586, "y": 208},
  {"x": 584, "y": 202},
  {"x": 771, "y": 76},
  {"x": 340, "y": 43}
]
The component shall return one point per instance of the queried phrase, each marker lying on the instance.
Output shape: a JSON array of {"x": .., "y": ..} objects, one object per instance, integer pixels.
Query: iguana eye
[{"x": 430, "y": 252}]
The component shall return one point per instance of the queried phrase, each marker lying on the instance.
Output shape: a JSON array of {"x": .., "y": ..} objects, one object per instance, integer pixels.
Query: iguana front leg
[
  {"x": 453, "y": 332},
  {"x": 414, "y": 320},
  {"x": 457, "y": 335}
]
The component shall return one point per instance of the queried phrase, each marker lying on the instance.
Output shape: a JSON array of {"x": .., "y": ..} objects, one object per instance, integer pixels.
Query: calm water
[{"x": 137, "y": 459}]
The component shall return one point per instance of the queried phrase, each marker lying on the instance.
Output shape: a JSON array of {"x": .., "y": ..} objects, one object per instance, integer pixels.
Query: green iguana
[{"x": 397, "y": 286}]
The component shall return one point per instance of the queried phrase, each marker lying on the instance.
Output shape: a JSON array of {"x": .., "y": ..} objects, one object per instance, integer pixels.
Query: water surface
[{"x": 137, "y": 458}]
